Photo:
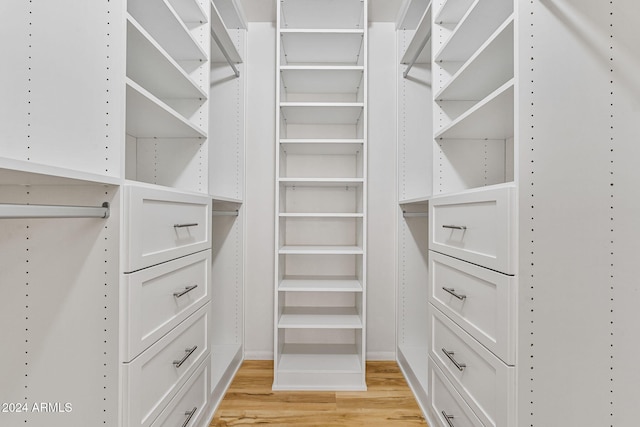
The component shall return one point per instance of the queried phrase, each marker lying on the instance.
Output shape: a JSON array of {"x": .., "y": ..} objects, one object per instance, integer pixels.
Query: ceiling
[{"x": 265, "y": 10}]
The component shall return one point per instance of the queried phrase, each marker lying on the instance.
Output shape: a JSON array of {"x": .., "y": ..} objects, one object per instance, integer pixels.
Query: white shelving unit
[{"x": 321, "y": 182}]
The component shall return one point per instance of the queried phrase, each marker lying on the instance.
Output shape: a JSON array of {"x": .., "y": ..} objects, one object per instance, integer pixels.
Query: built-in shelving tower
[{"x": 321, "y": 195}]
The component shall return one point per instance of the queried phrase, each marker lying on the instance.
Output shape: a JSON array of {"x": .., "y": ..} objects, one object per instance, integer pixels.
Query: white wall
[{"x": 259, "y": 200}]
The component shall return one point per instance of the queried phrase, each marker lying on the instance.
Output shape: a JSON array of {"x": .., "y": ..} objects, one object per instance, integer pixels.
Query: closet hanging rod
[
  {"x": 10, "y": 211},
  {"x": 414, "y": 214},
  {"x": 417, "y": 54},
  {"x": 225, "y": 213},
  {"x": 224, "y": 52}
]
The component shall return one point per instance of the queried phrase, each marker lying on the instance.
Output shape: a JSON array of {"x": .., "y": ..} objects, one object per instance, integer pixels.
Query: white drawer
[
  {"x": 485, "y": 383},
  {"x": 157, "y": 299},
  {"x": 162, "y": 225},
  {"x": 446, "y": 402},
  {"x": 481, "y": 301},
  {"x": 152, "y": 379},
  {"x": 190, "y": 402},
  {"x": 477, "y": 226}
]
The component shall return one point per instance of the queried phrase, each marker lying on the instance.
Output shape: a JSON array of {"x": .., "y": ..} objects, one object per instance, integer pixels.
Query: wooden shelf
[
  {"x": 326, "y": 46},
  {"x": 492, "y": 118},
  {"x": 480, "y": 21},
  {"x": 220, "y": 30},
  {"x": 320, "y": 250},
  {"x": 493, "y": 62},
  {"x": 320, "y": 318},
  {"x": 321, "y": 182},
  {"x": 322, "y": 79},
  {"x": 417, "y": 42},
  {"x": 314, "y": 14},
  {"x": 322, "y": 147},
  {"x": 162, "y": 22},
  {"x": 452, "y": 11},
  {"x": 149, "y": 65},
  {"x": 320, "y": 358},
  {"x": 320, "y": 284},
  {"x": 149, "y": 117},
  {"x": 322, "y": 112}
]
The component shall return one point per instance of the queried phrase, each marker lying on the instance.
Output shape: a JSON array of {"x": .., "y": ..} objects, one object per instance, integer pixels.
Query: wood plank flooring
[{"x": 250, "y": 400}]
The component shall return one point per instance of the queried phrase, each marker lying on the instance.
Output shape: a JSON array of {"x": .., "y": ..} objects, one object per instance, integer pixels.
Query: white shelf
[
  {"x": 189, "y": 10},
  {"x": 417, "y": 358},
  {"x": 320, "y": 318},
  {"x": 492, "y": 118},
  {"x": 149, "y": 65},
  {"x": 220, "y": 30},
  {"x": 20, "y": 172},
  {"x": 480, "y": 21},
  {"x": 320, "y": 284},
  {"x": 326, "y": 46},
  {"x": 225, "y": 199},
  {"x": 321, "y": 182},
  {"x": 315, "y": 14},
  {"x": 321, "y": 215},
  {"x": 322, "y": 147},
  {"x": 452, "y": 11},
  {"x": 418, "y": 41},
  {"x": 320, "y": 250},
  {"x": 322, "y": 79},
  {"x": 416, "y": 200},
  {"x": 487, "y": 69},
  {"x": 232, "y": 13},
  {"x": 476, "y": 190},
  {"x": 149, "y": 117},
  {"x": 161, "y": 20},
  {"x": 320, "y": 358},
  {"x": 322, "y": 112}
]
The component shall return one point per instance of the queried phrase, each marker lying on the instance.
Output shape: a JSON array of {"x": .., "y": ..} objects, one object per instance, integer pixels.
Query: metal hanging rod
[
  {"x": 418, "y": 52},
  {"x": 224, "y": 52},
  {"x": 9, "y": 211},
  {"x": 414, "y": 214},
  {"x": 225, "y": 213}
]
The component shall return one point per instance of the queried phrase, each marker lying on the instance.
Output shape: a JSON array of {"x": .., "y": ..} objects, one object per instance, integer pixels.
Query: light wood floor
[{"x": 250, "y": 400}]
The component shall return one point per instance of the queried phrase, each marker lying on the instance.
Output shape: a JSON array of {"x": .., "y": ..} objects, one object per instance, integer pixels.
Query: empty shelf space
[
  {"x": 149, "y": 65},
  {"x": 452, "y": 11},
  {"x": 320, "y": 284},
  {"x": 417, "y": 45},
  {"x": 321, "y": 182},
  {"x": 322, "y": 79},
  {"x": 490, "y": 67},
  {"x": 320, "y": 250},
  {"x": 322, "y": 146},
  {"x": 189, "y": 10},
  {"x": 321, "y": 112},
  {"x": 306, "y": 47},
  {"x": 492, "y": 118},
  {"x": 315, "y": 14},
  {"x": 480, "y": 21},
  {"x": 160, "y": 19},
  {"x": 320, "y": 358},
  {"x": 219, "y": 31},
  {"x": 149, "y": 117},
  {"x": 320, "y": 318}
]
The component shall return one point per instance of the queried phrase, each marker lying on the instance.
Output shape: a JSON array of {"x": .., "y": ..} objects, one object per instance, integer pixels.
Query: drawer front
[
  {"x": 446, "y": 402},
  {"x": 153, "y": 378},
  {"x": 190, "y": 402},
  {"x": 164, "y": 225},
  {"x": 161, "y": 297},
  {"x": 477, "y": 227},
  {"x": 485, "y": 383},
  {"x": 481, "y": 301}
]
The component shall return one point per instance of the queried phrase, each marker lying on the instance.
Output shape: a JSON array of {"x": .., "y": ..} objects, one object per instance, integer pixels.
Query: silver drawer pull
[
  {"x": 189, "y": 415},
  {"x": 189, "y": 352},
  {"x": 452, "y": 292},
  {"x": 187, "y": 289},
  {"x": 446, "y": 416},
  {"x": 450, "y": 354},
  {"x": 455, "y": 227},
  {"x": 192, "y": 224}
]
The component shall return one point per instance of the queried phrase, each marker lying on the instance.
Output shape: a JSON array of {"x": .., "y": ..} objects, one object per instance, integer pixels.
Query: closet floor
[{"x": 250, "y": 400}]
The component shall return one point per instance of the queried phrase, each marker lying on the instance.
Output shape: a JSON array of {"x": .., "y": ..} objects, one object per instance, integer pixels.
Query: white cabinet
[{"x": 321, "y": 187}]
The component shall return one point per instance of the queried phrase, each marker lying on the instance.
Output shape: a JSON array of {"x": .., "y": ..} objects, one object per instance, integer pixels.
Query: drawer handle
[
  {"x": 187, "y": 289},
  {"x": 447, "y": 418},
  {"x": 189, "y": 352},
  {"x": 450, "y": 354},
  {"x": 455, "y": 227},
  {"x": 452, "y": 292},
  {"x": 191, "y": 224},
  {"x": 189, "y": 415}
]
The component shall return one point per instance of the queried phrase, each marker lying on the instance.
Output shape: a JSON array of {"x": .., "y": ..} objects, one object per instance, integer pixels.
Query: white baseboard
[{"x": 258, "y": 355}]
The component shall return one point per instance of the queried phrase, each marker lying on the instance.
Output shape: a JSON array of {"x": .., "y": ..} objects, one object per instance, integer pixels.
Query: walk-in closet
[{"x": 319, "y": 212}]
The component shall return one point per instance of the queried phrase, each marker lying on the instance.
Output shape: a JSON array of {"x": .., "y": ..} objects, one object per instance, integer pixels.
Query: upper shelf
[
  {"x": 222, "y": 46},
  {"x": 417, "y": 51},
  {"x": 322, "y": 112},
  {"x": 20, "y": 172},
  {"x": 189, "y": 10},
  {"x": 232, "y": 13},
  {"x": 321, "y": 79},
  {"x": 326, "y": 14},
  {"x": 322, "y": 146},
  {"x": 161, "y": 21},
  {"x": 475, "y": 27},
  {"x": 452, "y": 11},
  {"x": 325, "y": 46}
]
